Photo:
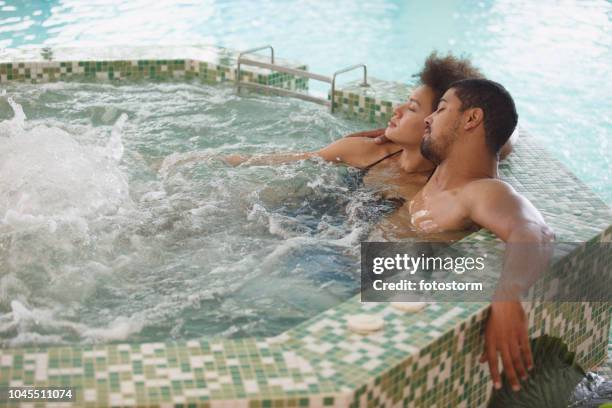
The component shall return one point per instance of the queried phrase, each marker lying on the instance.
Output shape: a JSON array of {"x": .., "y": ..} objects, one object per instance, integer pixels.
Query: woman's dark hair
[
  {"x": 440, "y": 72},
  {"x": 497, "y": 105}
]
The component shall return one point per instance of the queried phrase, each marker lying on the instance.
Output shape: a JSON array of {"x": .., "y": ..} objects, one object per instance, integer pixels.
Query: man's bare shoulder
[
  {"x": 496, "y": 205},
  {"x": 488, "y": 186},
  {"x": 486, "y": 192},
  {"x": 494, "y": 196}
]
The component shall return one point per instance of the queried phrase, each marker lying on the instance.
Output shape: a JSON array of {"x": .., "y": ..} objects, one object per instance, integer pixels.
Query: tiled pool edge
[
  {"x": 207, "y": 63},
  {"x": 317, "y": 363}
]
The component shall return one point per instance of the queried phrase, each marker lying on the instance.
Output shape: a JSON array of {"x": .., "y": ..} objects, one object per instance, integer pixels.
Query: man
[{"x": 463, "y": 137}]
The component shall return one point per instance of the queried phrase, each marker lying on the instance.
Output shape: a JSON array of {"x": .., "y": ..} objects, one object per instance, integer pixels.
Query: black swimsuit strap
[{"x": 368, "y": 167}]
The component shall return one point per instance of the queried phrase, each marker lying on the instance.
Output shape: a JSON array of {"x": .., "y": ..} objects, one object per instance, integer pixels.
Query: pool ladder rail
[{"x": 293, "y": 71}]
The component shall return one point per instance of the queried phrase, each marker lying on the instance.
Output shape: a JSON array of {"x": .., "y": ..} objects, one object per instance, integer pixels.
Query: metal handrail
[
  {"x": 296, "y": 72},
  {"x": 287, "y": 70},
  {"x": 287, "y": 92},
  {"x": 249, "y": 52},
  {"x": 342, "y": 71}
]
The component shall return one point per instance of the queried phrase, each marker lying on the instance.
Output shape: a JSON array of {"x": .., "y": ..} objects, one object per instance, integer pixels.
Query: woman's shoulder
[
  {"x": 357, "y": 151},
  {"x": 367, "y": 145}
]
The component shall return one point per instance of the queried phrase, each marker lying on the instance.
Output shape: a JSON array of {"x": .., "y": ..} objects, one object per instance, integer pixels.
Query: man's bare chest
[{"x": 438, "y": 211}]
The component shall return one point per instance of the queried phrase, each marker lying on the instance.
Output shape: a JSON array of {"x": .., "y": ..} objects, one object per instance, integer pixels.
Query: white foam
[
  {"x": 257, "y": 212},
  {"x": 316, "y": 183},
  {"x": 175, "y": 160},
  {"x": 18, "y": 120},
  {"x": 282, "y": 249},
  {"x": 45, "y": 172},
  {"x": 202, "y": 236},
  {"x": 114, "y": 145},
  {"x": 119, "y": 329},
  {"x": 351, "y": 239},
  {"x": 24, "y": 318}
]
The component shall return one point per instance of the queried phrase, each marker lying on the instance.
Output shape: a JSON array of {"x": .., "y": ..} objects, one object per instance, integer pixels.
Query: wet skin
[{"x": 465, "y": 191}]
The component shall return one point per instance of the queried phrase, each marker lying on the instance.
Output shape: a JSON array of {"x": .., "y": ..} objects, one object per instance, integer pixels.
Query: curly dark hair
[{"x": 440, "y": 72}]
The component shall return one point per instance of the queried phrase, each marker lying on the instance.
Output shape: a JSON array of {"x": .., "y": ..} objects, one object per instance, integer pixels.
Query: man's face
[
  {"x": 442, "y": 128},
  {"x": 407, "y": 125}
]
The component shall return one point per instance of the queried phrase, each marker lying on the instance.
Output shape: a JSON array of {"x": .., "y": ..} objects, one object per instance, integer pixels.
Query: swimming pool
[{"x": 553, "y": 57}]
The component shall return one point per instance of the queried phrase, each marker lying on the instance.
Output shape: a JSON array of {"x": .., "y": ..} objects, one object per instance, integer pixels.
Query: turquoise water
[
  {"x": 108, "y": 232},
  {"x": 554, "y": 56}
]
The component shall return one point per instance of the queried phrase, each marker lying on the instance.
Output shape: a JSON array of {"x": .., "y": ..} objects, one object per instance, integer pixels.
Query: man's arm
[{"x": 495, "y": 205}]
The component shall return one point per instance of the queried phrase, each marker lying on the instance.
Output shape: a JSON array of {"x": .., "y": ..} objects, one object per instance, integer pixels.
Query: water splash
[
  {"x": 48, "y": 176},
  {"x": 153, "y": 236},
  {"x": 114, "y": 145},
  {"x": 12, "y": 126}
]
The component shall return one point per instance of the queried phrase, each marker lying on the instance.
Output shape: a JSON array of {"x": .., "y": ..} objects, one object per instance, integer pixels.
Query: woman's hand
[
  {"x": 378, "y": 134},
  {"x": 235, "y": 159}
]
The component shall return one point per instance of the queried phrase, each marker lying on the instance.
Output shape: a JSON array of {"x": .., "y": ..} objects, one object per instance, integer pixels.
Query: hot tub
[{"x": 427, "y": 358}]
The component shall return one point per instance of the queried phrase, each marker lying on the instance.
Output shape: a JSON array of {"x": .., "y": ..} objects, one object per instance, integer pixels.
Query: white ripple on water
[{"x": 175, "y": 245}]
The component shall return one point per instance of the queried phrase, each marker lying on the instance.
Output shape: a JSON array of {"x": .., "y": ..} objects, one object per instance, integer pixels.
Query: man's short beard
[
  {"x": 428, "y": 151},
  {"x": 436, "y": 153}
]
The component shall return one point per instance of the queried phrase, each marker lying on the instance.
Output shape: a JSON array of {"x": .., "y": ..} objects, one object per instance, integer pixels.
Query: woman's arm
[
  {"x": 354, "y": 151},
  {"x": 266, "y": 159},
  {"x": 351, "y": 150}
]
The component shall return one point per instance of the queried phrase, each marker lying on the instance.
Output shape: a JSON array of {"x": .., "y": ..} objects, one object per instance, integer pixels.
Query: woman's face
[{"x": 407, "y": 125}]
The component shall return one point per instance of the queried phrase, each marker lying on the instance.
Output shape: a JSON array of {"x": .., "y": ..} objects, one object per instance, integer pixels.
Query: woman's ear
[{"x": 475, "y": 117}]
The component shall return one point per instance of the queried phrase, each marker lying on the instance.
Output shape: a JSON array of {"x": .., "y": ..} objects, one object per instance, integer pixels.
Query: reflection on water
[{"x": 553, "y": 57}]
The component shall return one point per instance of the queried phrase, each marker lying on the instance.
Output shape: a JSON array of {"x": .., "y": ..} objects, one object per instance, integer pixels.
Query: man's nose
[{"x": 428, "y": 120}]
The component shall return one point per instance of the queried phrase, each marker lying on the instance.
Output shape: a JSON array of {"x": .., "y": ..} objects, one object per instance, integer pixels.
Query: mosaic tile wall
[
  {"x": 374, "y": 103},
  {"x": 209, "y": 64},
  {"x": 419, "y": 359}
]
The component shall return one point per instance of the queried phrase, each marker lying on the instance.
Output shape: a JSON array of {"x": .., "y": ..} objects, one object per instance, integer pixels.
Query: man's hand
[
  {"x": 378, "y": 134},
  {"x": 506, "y": 333}
]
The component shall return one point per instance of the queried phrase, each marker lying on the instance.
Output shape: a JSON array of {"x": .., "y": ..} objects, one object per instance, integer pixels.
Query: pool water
[
  {"x": 106, "y": 236},
  {"x": 553, "y": 56}
]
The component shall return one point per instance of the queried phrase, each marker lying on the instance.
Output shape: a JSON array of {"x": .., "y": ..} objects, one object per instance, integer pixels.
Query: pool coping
[{"x": 319, "y": 362}]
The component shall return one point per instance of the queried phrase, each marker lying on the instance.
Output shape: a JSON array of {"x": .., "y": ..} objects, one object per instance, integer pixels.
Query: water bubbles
[{"x": 122, "y": 220}]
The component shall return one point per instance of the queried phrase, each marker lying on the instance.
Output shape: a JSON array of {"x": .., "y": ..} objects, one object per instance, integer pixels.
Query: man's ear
[{"x": 474, "y": 117}]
